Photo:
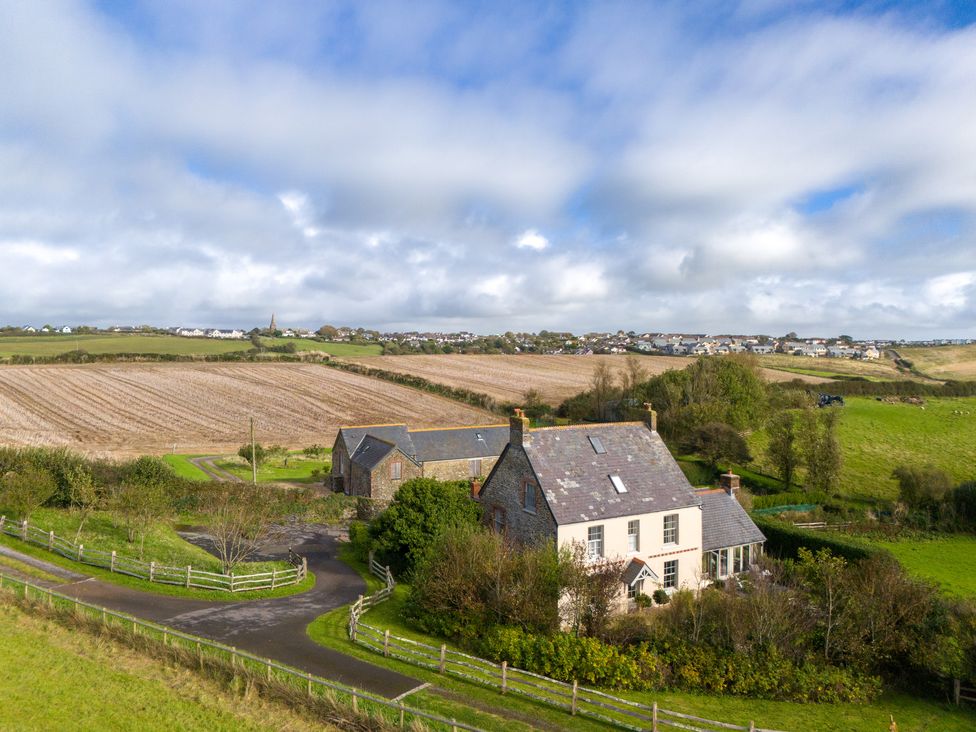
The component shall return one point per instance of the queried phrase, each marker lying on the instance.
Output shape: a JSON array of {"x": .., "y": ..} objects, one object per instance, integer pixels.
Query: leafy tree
[
  {"x": 533, "y": 405},
  {"x": 420, "y": 511},
  {"x": 328, "y": 331},
  {"x": 718, "y": 442},
  {"x": 922, "y": 487},
  {"x": 26, "y": 490},
  {"x": 242, "y": 520},
  {"x": 783, "y": 450},
  {"x": 314, "y": 451},
  {"x": 590, "y": 590},
  {"x": 259, "y": 454},
  {"x": 820, "y": 449},
  {"x": 825, "y": 574}
]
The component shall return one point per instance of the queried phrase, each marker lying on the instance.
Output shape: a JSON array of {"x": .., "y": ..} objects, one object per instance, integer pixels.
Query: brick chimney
[
  {"x": 653, "y": 418},
  {"x": 729, "y": 482},
  {"x": 518, "y": 427},
  {"x": 475, "y": 489}
]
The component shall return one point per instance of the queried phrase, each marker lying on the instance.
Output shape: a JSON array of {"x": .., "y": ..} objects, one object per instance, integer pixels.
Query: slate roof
[
  {"x": 371, "y": 452},
  {"x": 394, "y": 433},
  {"x": 576, "y": 480},
  {"x": 460, "y": 442},
  {"x": 451, "y": 443},
  {"x": 725, "y": 523}
]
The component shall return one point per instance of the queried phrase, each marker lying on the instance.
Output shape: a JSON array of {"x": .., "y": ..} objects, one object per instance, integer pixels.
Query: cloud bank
[{"x": 759, "y": 167}]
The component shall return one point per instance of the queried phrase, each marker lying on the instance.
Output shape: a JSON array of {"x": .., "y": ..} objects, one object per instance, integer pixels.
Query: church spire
[{"x": 273, "y": 328}]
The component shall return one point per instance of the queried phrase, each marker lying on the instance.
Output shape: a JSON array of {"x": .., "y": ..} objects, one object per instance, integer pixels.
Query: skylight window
[
  {"x": 618, "y": 485},
  {"x": 598, "y": 447}
]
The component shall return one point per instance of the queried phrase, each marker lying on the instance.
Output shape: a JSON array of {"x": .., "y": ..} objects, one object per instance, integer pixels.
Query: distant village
[{"x": 543, "y": 342}]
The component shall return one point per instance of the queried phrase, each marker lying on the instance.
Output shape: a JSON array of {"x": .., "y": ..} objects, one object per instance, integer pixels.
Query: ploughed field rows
[
  {"x": 506, "y": 378},
  {"x": 128, "y": 409}
]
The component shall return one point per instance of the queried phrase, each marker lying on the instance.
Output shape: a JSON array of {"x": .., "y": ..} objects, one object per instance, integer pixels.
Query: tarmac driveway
[{"x": 271, "y": 628}]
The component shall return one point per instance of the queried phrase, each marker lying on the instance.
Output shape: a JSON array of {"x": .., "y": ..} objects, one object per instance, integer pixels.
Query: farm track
[{"x": 137, "y": 408}]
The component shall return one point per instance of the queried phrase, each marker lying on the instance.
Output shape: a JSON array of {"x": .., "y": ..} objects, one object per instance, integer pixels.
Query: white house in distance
[{"x": 616, "y": 488}]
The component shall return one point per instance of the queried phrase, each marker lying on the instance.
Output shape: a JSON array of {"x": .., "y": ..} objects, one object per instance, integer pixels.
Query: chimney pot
[
  {"x": 518, "y": 427},
  {"x": 653, "y": 418}
]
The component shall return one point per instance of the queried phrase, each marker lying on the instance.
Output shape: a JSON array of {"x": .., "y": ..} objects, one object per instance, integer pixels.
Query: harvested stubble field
[
  {"x": 130, "y": 409},
  {"x": 507, "y": 378}
]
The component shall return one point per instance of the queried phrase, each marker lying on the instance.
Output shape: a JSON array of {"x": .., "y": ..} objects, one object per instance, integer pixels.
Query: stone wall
[
  {"x": 456, "y": 469},
  {"x": 383, "y": 485},
  {"x": 504, "y": 490}
]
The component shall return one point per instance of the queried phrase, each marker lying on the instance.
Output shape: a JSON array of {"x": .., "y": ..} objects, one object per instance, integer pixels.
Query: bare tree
[
  {"x": 243, "y": 520},
  {"x": 601, "y": 388},
  {"x": 83, "y": 493},
  {"x": 591, "y": 589}
]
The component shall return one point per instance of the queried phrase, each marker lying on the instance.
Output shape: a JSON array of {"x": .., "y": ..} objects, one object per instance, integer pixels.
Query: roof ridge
[
  {"x": 366, "y": 426},
  {"x": 459, "y": 427},
  {"x": 588, "y": 425}
]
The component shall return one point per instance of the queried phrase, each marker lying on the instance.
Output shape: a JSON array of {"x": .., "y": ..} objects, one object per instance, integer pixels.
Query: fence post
[
  {"x": 3, "y": 520},
  {"x": 231, "y": 581},
  {"x": 304, "y": 567},
  {"x": 23, "y": 530},
  {"x": 104, "y": 617},
  {"x": 233, "y": 657},
  {"x": 152, "y": 570},
  {"x": 401, "y": 714},
  {"x": 386, "y": 642},
  {"x": 752, "y": 726},
  {"x": 268, "y": 665},
  {"x": 355, "y": 702},
  {"x": 575, "y": 692},
  {"x": 112, "y": 566},
  {"x": 956, "y": 690},
  {"x": 274, "y": 572},
  {"x": 504, "y": 676},
  {"x": 188, "y": 570},
  {"x": 309, "y": 687},
  {"x": 200, "y": 653},
  {"x": 654, "y": 718},
  {"x": 443, "y": 657},
  {"x": 50, "y": 540}
]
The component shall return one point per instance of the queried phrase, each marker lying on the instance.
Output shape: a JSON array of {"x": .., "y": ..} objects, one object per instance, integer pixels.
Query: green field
[
  {"x": 948, "y": 560},
  {"x": 876, "y": 437},
  {"x": 53, "y": 345},
  {"x": 63, "y": 679},
  {"x": 164, "y": 345},
  {"x": 911, "y": 714},
  {"x": 182, "y": 466}
]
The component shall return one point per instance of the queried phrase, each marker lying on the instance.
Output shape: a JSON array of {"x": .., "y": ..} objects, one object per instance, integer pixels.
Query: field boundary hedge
[{"x": 784, "y": 540}]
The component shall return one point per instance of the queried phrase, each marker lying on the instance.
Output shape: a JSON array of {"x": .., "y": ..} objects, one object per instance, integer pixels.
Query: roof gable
[
  {"x": 395, "y": 434},
  {"x": 575, "y": 478}
]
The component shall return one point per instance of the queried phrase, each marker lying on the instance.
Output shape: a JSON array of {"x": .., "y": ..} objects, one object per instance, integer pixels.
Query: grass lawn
[
  {"x": 912, "y": 715},
  {"x": 64, "y": 679},
  {"x": 298, "y": 470},
  {"x": 7, "y": 563},
  {"x": 876, "y": 437},
  {"x": 182, "y": 466},
  {"x": 53, "y": 345}
]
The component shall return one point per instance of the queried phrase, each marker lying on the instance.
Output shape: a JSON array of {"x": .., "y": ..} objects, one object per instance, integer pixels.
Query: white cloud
[{"x": 531, "y": 239}]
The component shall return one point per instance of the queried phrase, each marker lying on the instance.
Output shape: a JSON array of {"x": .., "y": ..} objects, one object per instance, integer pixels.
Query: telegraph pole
[{"x": 254, "y": 457}]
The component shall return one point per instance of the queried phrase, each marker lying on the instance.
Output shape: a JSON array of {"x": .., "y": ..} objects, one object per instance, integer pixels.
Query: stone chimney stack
[
  {"x": 653, "y": 419},
  {"x": 729, "y": 482},
  {"x": 475, "y": 488},
  {"x": 518, "y": 427}
]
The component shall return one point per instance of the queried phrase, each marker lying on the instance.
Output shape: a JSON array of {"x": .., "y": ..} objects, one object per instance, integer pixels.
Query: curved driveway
[{"x": 271, "y": 628}]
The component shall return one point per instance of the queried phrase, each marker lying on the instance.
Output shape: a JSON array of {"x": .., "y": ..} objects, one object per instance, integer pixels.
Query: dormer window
[
  {"x": 618, "y": 485},
  {"x": 598, "y": 447}
]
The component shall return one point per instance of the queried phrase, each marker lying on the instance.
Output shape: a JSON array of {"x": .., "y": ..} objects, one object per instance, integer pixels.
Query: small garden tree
[
  {"x": 718, "y": 442},
  {"x": 783, "y": 450},
  {"x": 257, "y": 458},
  {"x": 140, "y": 505},
  {"x": 83, "y": 493},
  {"x": 922, "y": 488}
]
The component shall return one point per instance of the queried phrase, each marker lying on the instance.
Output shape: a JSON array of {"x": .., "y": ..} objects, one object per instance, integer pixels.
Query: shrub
[
  {"x": 359, "y": 540},
  {"x": 784, "y": 540}
]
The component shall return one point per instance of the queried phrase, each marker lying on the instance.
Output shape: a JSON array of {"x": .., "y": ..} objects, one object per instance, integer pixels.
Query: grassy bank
[
  {"x": 64, "y": 679},
  {"x": 294, "y": 468}
]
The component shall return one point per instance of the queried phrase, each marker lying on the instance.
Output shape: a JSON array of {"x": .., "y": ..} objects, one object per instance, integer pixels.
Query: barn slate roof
[
  {"x": 371, "y": 452},
  {"x": 459, "y": 442},
  {"x": 449, "y": 443},
  {"x": 575, "y": 479},
  {"x": 725, "y": 523}
]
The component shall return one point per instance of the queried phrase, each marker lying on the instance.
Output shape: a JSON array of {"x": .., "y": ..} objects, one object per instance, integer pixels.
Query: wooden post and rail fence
[
  {"x": 393, "y": 711},
  {"x": 573, "y": 698},
  {"x": 158, "y": 573}
]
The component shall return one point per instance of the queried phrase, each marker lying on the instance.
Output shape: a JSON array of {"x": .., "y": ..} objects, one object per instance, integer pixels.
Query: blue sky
[{"x": 761, "y": 166}]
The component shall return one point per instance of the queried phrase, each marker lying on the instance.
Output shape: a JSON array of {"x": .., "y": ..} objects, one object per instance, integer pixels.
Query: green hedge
[
  {"x": 788, "y": 499},
  {"x": 784, "y": 540},
  {"x": 674, "y": 665}
]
